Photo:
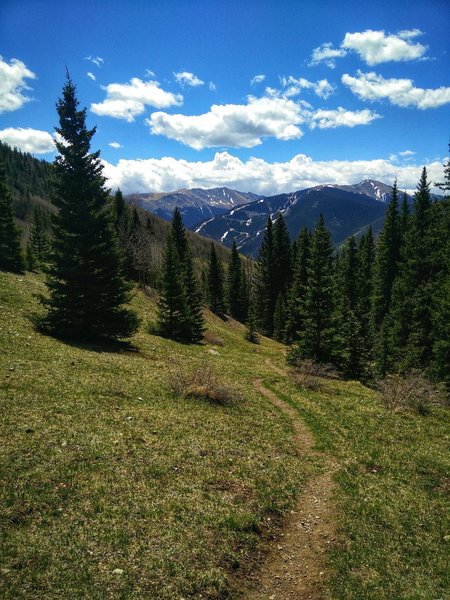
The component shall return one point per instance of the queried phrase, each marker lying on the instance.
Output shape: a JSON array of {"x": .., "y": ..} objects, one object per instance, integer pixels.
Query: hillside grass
[
  {"x": 392, "y": 494},
  {"x": 102, "y": 467},
  {"x": 114, "y": 486}
]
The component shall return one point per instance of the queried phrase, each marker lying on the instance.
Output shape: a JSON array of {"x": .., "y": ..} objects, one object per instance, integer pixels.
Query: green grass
[
  {"x": 103, "y": 467},
  {"x": 392, "y": 495}
]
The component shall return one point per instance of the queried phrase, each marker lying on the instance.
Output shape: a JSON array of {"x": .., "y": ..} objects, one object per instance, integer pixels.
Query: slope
[{"x": 115, "y": 485}]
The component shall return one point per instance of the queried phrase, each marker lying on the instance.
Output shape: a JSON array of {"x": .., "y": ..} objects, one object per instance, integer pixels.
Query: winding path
[{"x": 294, "y": 566}]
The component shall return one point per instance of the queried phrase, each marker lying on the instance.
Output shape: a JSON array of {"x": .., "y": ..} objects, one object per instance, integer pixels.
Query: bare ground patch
[{"x": 294, "y": 566}]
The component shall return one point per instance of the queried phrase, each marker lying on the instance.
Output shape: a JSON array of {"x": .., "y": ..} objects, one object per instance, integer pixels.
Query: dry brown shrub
[
  {"x": 412, "y": 391},
  {"x": 201, "y": 383},
  {"x": 310, "y": 367},
  {"x": 211, "y": 339}
]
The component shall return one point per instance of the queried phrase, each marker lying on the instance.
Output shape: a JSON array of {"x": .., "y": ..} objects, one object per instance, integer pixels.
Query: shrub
[
  {"x": 412, "y": 391},
  {"x": 202, "y": 383},
  {"x": 312, "y": 368},
  {"x": 209, "y": 338}
]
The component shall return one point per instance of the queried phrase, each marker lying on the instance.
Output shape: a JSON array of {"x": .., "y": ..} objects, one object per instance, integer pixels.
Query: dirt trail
[{"x": 294, "y": 567}]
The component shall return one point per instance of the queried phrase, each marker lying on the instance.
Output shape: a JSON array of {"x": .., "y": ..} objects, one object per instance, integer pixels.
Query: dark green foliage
[
  {"x": 317, "y": 339},
  {"x": 265, "y": 298},
  {"x": 299, "y": 286},
  {"x": 251, "y": 333},
  {"x": 387, "y": 260},
  {"x": 279, "y": 318},
  {"x": 215, "y": 280},
  {"x": 179, "y": 306},
  {"x": 173, "y": 314},
  {"x": 236, "y": 285},
  {"x": 87, "y": 290},
  {"x": 28, "y": 180},
  {"x": 38, "y": 244},
  {"x": 11, "y": 258}
]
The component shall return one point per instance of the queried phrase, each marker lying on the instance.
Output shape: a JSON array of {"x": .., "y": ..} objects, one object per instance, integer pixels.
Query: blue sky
[{"x": 263, "y": 96}]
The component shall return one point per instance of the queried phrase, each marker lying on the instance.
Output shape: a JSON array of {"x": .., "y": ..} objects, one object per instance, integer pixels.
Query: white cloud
[
  {"x": 12, "y": 84},
  {"x": 115, "y": 145},
  {"x": 326, "y": 119},
  {"x": 26, "y": 139},
  {"x": 406, "y": 153},
  {"x": 186, "y": 78},
  {"x": 232, "y": 125},
  {"x": 91, "y": 76},
  {"x": 292, "y": 86},
  {"x": 212, "y": 86},
  {"x": 96, "y": 60},
  {"x": 376, "y": 47},
  {"x": 401, "y": 92},
  {"x": 257, "y": 175},
  {"x": 257, "y": 79},
  {"x": 327, "y": 54},
  {"x": 127, "y": 100},
  {"x": 149, "y": 73}
]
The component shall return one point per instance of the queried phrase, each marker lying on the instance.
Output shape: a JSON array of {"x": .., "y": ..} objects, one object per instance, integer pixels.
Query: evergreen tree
[
  {"x": 196, "y": 321},
  {"x": 87, "y": 290},
  {"x": 281, "y": 257},
  {"x": 366, "y": 254},
  {"x": 251, "y": 333},
  {"x": 351, "y": 355},
  {"x": 11, "y": 258},
  {"x": 215, "y": 284},
  {"x": 173, "y": 314},
  {"x": 179, "y": 234},
  {"x": 180, "y": 314},
  {"x": 299, "y": 286},
  {"x": 264, "y": 305},
  {"x": 235, "y": 287},
  {"x": 279, "y": 318},
  {"x": 38, "y": 245},
  {"x": 118, "y": 208},
  {"x": 387, "y": 260},
  {"x": 317, "y": 339},
  {"x": 404, "y": 218},
  {"x": 412, "y": 297}
]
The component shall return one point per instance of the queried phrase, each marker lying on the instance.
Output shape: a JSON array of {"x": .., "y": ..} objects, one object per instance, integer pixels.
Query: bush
[
  {"x": 202, "y": 383},
  {"x": 412, "y": 391},
  {"x": 312, "y": 368},
  {"x": 209, "y": 338}
]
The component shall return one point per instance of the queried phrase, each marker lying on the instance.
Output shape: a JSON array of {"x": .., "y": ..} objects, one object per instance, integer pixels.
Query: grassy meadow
[{"x": 112, "y": 485}]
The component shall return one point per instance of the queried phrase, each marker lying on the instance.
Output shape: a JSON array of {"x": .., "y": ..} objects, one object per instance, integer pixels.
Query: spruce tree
[
  {"x": 38, "y": 245},
  {"x": 179, "y": 234},
  {"x": 412, "y": 301},
  {"x": 264, "y": 304},
  {"x": 196, "y": 320},
  {"x": 173, "y": 313},
  {"x": 235, "y": 286},
  {"x": 318, "y": 335},
  {"x": 11, "y": 257},
  {"x": 85, "y": 282},
  {"x": 387, "y": 260},
  {"x": 299, "y": 286},
  {"x": 279, "y": 318},
  {"x": 215, "y": 284},
  {"x": 366, "y": 252}
]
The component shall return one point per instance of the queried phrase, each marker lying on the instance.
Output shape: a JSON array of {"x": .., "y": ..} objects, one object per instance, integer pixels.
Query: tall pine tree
[
  {"x": 215, "y": 284},
  {"x": 87, "y": 289},
  {"x": 235, "y": 285},
  {"x": 264, "y": 297},
  {"x": 38, "y": 244},
  {"x": 299, "y": 286},
  {"x": 11, "y": 258},
  {"x": 318, "y": 335}
]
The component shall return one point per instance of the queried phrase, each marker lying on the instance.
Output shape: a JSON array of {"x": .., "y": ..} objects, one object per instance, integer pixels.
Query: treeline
[
  {"x": 368, "y": 309},
  {"x": 28, "y": 180}
]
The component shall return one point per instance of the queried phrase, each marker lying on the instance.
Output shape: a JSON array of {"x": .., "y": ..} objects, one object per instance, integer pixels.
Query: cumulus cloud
[
  {"x": 185, "y": 78},
  {"x": 326, "y": 119},
  {"x": 232, "y": 125},
  {"x": 327, "y": 54},
  {"x": 26, "y": 139},
  {"x": 375, "y": 47},
  {"x": 400, "y": 92},
  {"x": 12, "y": 84},
  {"x": 257, "y": 175},
  {"x": 115, "y": 145},
  {"x": 292, "y": 86},
  {"x": 128, "y": 100},
  {"x": 257, "y": 79},
  {"x": 95, "y": 60},
  {"x": 91, "y": 76}
]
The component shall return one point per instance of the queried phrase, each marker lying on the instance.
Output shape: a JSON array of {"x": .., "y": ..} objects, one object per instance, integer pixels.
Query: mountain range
[{"x": 224, "y": 214}]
